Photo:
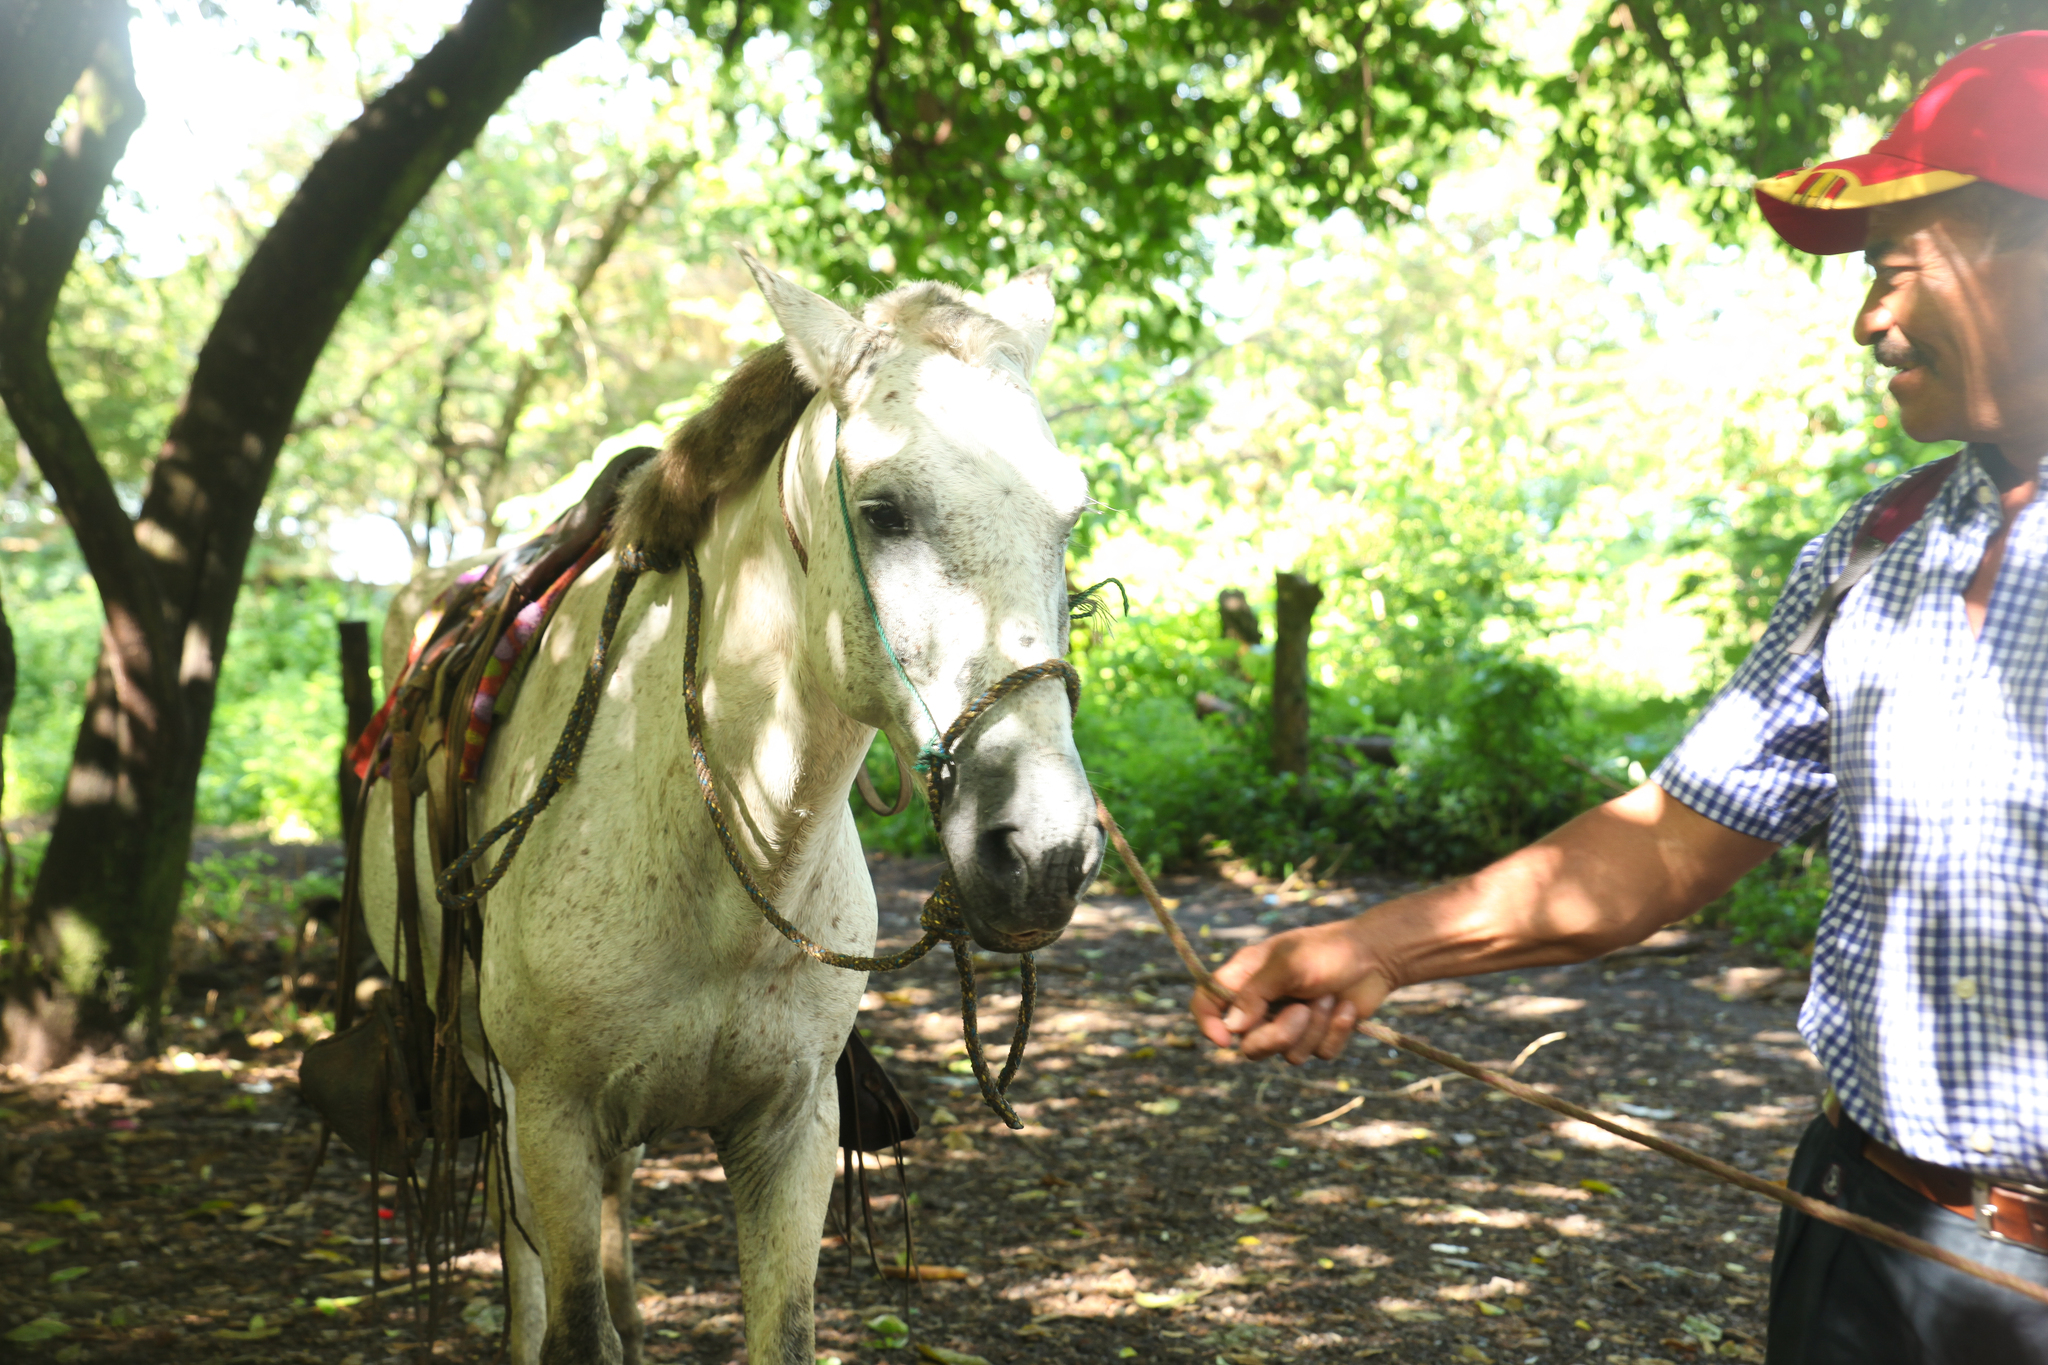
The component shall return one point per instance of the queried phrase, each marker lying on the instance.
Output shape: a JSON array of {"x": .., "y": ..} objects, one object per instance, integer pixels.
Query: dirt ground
[{"x": 1166, "y": 1202}]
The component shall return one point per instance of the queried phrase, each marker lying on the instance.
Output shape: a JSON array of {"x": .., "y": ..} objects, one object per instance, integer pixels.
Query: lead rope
[{"x": 1720, "y": 1170}]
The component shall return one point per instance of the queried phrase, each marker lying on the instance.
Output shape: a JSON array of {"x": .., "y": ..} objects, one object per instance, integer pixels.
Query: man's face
[{"x": 1960, "y": 309}]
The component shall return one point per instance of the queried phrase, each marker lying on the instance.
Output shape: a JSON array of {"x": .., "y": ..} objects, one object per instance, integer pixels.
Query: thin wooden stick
[{"x": 1720, "y": 1170}]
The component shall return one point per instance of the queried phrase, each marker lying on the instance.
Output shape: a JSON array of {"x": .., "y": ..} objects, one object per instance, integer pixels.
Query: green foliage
[
  {"x": 960, "y": 134},
  {"x": 223, "y": 888},
  {"x": 277, "y": 726},
  {"x": 1711, "y": 94},
  {"x": 1777, "y": 907},
  {"x": 1479, "y": 773},
  {"x": 276, "y": 736},
  {"x": 55, "y": 613},
  {"x": 1746, "y": 534}
]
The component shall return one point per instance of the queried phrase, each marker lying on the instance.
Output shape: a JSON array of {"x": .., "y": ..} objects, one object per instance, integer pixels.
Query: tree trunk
[
  {"x": 1294, "y": 607},
  {"x": 110, "y": 882}
]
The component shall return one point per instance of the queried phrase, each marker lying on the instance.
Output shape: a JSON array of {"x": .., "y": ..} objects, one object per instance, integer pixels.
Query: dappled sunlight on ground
[{"x": 1162, "y": 1199}]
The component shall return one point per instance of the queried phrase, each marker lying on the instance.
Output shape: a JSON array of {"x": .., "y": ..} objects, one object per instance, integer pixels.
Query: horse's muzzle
[{"x": 1018, "y": 892}]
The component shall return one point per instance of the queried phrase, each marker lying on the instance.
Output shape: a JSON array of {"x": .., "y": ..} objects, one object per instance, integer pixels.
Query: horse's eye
[{"x": 885, "y": 517}]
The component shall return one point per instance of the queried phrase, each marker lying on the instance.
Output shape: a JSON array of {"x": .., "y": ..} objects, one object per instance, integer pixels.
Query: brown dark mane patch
[{"x": 726, "y": 446}]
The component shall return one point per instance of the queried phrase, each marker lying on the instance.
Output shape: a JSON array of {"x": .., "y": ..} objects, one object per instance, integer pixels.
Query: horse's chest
[{"x": 687, "y": 1047}]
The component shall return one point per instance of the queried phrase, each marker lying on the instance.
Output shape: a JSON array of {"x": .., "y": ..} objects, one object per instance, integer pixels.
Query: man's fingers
[
  {"x": 1276, "y": 1034},
  {"x": 1343, "y": 1020},
  {"x": 1208, "y": 1012},
  {"x": 1311, "y": 1037}
]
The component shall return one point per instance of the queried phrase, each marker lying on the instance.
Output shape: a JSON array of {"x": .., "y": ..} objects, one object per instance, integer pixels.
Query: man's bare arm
[{"x": 1613, "y": 876}]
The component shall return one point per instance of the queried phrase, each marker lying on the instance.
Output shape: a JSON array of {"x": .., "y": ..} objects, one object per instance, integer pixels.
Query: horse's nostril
[{"x": 996, "y": 851}]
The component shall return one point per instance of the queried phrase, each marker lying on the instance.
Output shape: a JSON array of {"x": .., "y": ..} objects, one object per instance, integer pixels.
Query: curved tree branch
[
  {"x": 206, "y": 489},
  {"x": 45, "y": 46}
]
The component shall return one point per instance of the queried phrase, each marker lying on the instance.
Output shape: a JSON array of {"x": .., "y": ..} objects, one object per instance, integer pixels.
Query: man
[{"x": 1918, "y": 719}]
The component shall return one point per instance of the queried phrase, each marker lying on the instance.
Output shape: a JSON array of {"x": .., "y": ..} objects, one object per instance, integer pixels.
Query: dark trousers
[{"x": 1841, "y": 1299}]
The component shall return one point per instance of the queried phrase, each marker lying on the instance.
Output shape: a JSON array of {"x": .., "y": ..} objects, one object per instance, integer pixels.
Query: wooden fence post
[
  {"x": 360, "y": 703},
  {"x": 1294, "y": 606},
  {"x": 1240, "y": 622}
]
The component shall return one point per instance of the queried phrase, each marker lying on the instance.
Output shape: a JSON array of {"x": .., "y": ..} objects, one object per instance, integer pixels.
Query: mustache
[{"x": 1893, "y": 351}]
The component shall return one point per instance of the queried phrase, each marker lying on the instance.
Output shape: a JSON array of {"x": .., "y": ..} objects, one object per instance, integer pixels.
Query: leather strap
[
  {"x": 1889, "y": 520},
  {"x": 2005, "y": 1213}
]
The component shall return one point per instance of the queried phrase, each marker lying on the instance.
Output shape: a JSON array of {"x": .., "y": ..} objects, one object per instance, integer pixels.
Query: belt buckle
[{"x": 1987, "y": 1212}]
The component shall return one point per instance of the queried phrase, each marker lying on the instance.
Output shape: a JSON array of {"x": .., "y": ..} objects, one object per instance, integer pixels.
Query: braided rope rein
[{"x": 941, "y": 917}]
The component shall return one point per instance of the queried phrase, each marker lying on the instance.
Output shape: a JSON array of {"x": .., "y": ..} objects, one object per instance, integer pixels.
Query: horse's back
[{"x": 412, "y": 602}]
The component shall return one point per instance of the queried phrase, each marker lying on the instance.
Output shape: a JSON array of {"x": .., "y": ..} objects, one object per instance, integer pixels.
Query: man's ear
[
  {"x": 1026, "y": 303},
  {"x": 824, "y": 339}
]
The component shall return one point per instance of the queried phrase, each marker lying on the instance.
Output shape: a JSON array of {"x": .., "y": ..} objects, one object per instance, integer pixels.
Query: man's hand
[
  {"x": 1327, "y": 965},
  {"x": 1613, "y": 876}
]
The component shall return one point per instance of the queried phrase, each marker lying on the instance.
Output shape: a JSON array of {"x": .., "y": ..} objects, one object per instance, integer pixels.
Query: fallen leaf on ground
[
  {"x": 924, "y": 1272},
  {"x": 1161, "y": 1108},
  {"x": 1251, "y": 1216},
  {"x": 1597, "y": 1186},
  {"x": 39, "y": 1329},
  {"x": 256, "y": 1331},
  {"x": 946, "y": 1357},
  {"x": 1167, "y": 1298}
]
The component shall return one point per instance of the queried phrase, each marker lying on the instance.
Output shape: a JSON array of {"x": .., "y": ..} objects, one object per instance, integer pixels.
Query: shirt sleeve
[{"x": 1757, "y": 759}]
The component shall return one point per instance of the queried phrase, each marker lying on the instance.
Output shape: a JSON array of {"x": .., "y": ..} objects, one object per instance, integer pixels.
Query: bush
[
  {"x": 1778, "y": 906},
  {"x": 1480, "y": 776},
  {"x": 276, "y": 732}
]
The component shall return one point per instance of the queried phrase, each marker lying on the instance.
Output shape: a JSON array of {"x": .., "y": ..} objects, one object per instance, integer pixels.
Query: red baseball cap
[{"x": 1984, "y": 116}]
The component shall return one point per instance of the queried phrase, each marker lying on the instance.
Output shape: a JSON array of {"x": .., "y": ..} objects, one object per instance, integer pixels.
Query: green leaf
[
  {"x": 69, "y": 1273},
  {"x": 943, "y": 1356},
  {"x": 41, "y": 1245},
  {"x": 41, "y": 1329}
]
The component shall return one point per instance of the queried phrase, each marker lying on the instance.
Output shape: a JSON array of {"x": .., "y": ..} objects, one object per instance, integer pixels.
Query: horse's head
[{"x": 956, "y": 509}]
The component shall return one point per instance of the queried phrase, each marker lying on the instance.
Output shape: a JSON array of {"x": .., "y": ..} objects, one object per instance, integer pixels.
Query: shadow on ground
[{"x": 1165, "y": 1201}]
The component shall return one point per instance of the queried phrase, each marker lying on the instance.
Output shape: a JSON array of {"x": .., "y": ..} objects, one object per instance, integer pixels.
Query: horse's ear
[
  {"x": 1026, "y": 304},
  {"x": 823, "y": 337}
]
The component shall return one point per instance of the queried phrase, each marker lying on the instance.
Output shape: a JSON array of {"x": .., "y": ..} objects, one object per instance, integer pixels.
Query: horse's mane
[
  {"x": 733, "y": 441},
  {"x": 726, "y": 445}
]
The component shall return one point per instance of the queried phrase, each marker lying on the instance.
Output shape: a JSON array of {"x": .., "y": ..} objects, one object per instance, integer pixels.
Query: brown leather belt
[{"x": 2003, "y": 1212}]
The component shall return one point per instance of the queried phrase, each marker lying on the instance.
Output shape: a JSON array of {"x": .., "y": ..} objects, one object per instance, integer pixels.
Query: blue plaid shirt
[{"x": 1929, "y": 1004}]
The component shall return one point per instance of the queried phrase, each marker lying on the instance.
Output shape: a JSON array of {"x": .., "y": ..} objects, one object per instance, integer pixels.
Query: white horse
[{"x": 627, "y": 985}]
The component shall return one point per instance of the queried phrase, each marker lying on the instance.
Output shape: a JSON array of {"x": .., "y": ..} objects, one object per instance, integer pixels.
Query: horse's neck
[{"x": 782, "y": 752}]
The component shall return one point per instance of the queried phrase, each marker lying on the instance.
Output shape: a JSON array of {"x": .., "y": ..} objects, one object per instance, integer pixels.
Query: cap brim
[{"x": 1825, "y": 209}]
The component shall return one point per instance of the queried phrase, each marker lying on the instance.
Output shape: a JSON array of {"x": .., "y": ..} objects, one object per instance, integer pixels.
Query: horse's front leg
[
  {"x": 564, "y": 1170},
  {"x": 620, "y": 1290},
  {"x": 511, "y": 1215},
  {"x": 778, "y": 1165}
]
